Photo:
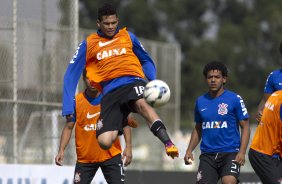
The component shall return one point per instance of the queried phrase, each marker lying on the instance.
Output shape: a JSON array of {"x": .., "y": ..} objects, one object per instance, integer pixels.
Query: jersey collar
[{"x": 100, "y": 33}]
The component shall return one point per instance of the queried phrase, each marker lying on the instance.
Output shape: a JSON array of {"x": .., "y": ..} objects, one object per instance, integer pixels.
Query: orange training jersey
[
  {"x": 87, "y": 147},
  {"x": 107, "y": 59},
  {"x": 268, "y": 136}
]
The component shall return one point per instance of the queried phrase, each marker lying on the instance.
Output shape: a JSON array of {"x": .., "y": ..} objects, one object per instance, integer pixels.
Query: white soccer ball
[{"x": 156, "y": 93}]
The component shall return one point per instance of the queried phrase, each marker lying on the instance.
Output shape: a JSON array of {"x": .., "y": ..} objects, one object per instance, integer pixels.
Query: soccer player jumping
[{"x": 117, "y": 65}]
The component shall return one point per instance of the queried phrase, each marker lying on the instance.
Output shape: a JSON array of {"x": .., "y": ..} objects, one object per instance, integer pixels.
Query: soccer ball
[{"x": 156, "y": 93}]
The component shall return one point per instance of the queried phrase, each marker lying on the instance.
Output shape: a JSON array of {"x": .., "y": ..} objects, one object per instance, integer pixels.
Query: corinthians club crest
[
  {"x": 77, "y": 177},
  {"x": 99, "y": 124},
  {"x": 222, "y": 109}
]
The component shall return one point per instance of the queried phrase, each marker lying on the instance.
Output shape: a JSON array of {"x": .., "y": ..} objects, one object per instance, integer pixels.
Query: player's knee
[
  {"x": 229, "y": 180},
  {"x": 142, "y": 107},
  {"x": 104, "y": 143},
  {"x": 107, "y": 139}
]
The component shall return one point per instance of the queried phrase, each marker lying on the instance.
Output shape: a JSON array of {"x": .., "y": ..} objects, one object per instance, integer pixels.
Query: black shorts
[
  {"x": 112, "y": 169},
  {"x": 116, "y": 106},
  {"x": 268, "y": 169},
  {"x": 214, "y": 166}
]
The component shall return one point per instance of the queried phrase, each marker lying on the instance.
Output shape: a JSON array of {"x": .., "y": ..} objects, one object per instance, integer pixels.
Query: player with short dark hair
[
  {"x": 272, "y": 84},
  {"x": 117, "y": 65},
  {"x": 106, "y": 9},
  {"x": 215, "y": 66},
  {"x": 218, "y": 115},
  {"x": 265, "y": 153}
]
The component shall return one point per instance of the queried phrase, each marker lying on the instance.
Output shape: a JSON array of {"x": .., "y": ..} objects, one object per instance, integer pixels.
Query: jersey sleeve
[
  {"x": 71, "y": 78},
  {"x": 197, "y": 116},
  {"x": 240, "y": 109},
  {"x": 74, "y": 114},
  {"x": 146, "y": 61},
  {"x": 268, "y": 88}
]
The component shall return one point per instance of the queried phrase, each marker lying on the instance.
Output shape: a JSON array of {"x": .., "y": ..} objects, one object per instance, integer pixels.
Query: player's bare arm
[
  {"x": 245, "y": 137},
  {"x": 127, "y": 152},
  {"x": 194, "y": 141},
  {"x": 65, "y": 137},
  {"x": 261, "y": 106}
]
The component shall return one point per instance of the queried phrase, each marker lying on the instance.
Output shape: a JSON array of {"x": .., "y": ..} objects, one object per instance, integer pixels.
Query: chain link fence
[{"x": 34, "y": 54}]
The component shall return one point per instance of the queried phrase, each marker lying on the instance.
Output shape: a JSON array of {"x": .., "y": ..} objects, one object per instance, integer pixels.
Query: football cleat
[{"x": 171, "y": 150}]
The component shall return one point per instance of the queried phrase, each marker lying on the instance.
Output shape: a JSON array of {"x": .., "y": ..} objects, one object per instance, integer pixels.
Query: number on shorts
[
  {"x": 235, "y": 167},
  {"x": 139, "y": 90}
]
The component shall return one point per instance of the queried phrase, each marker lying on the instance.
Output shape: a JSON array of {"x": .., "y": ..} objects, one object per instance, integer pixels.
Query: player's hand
[
  {"x": 59, "y": 159},
  {"x": 132, "y": 122},
  {"x": 127, "y": 156},
  {"x": 258, "y": 116},
  {"x": 188, "y": 158},
  {"x": 240, "y": 158}
]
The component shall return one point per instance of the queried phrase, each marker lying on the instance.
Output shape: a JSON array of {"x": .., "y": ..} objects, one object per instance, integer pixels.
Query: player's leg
[
  {"x": 136, "y": 103},
  {"x": 145, "y": 110},
  {"x": 156, "y": 125},
  {"x": 229, "y": 169},
  {"x": 267, "y": 168},
  {"x": 84, "y": 172},
  {"x": 207, "y": 171},
  {"x": 110, "y": 121},
  {"x": 106, "y": 139},
  {"x": 113, "y": 170},
  {"x": 229, "y": 180}
]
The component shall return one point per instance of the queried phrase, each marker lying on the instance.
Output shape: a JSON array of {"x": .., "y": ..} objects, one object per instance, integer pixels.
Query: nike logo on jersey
[
  {"x": 90, "y": 116},
  {"x": 204, "y": 109},
  {"x": 273, "y": 94},
  {"x": 102, "y": 44}
]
